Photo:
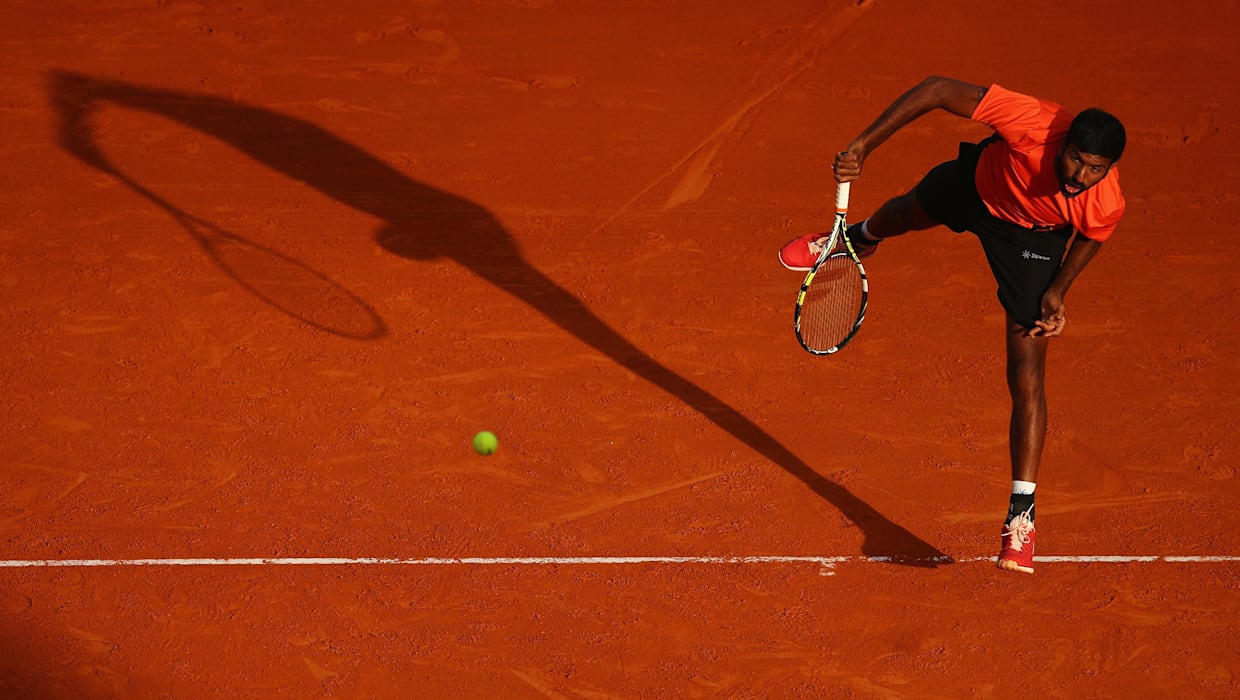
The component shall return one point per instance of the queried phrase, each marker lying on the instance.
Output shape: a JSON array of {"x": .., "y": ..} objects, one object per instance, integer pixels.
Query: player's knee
[
  {"x": 1025, "y": 380},
  {"x": 906, "y": 213}
]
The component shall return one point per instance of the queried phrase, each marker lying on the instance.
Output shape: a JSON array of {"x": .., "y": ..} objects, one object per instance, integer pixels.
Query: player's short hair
[{"x": 1099, "y": 133}]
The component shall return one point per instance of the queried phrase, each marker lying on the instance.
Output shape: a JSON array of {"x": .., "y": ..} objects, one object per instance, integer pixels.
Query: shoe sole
[
  {"x": 1009, "y": 565},
  {"x": 860, "y": 256},
  {"x": 790, "y": 267}
]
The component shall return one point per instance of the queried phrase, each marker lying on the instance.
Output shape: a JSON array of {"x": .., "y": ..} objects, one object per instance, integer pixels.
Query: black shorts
[{"x": 1024, "y": 261}]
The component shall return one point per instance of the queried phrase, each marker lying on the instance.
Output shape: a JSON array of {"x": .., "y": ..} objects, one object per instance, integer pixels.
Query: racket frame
[{"x": 837, "y": 233}]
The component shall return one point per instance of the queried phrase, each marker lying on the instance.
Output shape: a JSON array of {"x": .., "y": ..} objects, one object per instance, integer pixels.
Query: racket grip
[{"x": 841, "y": 198}]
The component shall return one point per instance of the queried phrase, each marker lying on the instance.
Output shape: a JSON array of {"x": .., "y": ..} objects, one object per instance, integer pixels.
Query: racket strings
[{"x": 833, "y": 303}]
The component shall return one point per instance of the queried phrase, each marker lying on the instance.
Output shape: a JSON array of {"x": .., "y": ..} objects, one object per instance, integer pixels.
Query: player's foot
[
  {"x": 802, "y": 252},
  {"x": 861, "y": 245},
  {"x": 1017, "y": 549}
]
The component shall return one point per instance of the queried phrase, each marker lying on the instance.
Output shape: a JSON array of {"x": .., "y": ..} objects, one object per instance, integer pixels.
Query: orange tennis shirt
[{"x": 1016, "y": 176}]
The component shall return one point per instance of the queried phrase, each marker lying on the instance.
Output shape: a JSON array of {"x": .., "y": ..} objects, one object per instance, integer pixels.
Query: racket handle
[{"x": 841, "y": 198}]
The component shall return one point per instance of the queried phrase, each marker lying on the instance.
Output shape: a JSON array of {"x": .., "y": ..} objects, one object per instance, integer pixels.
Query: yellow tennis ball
[{"x": 485, "y": 442}]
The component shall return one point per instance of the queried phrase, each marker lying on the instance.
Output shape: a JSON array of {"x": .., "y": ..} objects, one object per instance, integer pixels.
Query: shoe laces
[
  {"x": 1019, "y": 529},
  {"x": 817, "y": 245}
]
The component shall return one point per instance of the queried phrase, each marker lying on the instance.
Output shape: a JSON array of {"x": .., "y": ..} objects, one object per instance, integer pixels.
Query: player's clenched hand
[
  {"x": 847, "y": 165},
  {"x": 1053, "y": 318}
]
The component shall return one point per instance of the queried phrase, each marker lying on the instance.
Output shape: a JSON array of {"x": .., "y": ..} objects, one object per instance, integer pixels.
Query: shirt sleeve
[
  {"x": 1010, "y": 114},
  {"x": 1101, "y": 220}
]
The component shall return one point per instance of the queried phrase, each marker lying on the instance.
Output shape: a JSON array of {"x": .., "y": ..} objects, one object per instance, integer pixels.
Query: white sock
[
  {"x": 1024, "y": 488},
  {"x": 865, "y": 232}
]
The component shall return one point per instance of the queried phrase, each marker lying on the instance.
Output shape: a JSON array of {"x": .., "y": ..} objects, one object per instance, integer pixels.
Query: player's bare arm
[
  {"x": 955, "y": 96},
  {"x": 1054, "y": 318}
]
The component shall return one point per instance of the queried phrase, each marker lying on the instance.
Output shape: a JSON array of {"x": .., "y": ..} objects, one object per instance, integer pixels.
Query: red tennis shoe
[
  {"x": 802, "y": 252},
  {"x": 1017, "y": 551}
]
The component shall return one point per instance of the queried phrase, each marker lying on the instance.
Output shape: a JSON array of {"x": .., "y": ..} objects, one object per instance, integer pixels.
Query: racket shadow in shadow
[
  {"x": 421, "y": 222},
  {"x": 283, "y": 282}
]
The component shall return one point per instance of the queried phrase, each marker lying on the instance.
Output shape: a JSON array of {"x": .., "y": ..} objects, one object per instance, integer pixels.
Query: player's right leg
[{"x": 896, "y": 217}]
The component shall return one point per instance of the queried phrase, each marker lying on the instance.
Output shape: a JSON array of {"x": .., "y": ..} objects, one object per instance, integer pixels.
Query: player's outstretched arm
[{"x": 955, "y": 96}]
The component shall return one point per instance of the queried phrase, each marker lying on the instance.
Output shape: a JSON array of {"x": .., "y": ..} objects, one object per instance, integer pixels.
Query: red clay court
[{"x": 268, "y": 267}]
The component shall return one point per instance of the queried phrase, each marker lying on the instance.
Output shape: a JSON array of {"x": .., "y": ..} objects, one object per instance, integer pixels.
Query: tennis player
[{"x": 1043, "y": 183}]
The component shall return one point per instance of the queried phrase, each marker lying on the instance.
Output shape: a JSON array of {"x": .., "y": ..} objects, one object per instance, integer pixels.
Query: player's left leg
[
  {"x": 1026, "y": 380},
  {"x": 1026, "y": 371}
]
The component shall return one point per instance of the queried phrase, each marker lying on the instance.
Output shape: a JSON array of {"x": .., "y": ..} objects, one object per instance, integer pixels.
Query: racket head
[{"x": 832, "y": 303}]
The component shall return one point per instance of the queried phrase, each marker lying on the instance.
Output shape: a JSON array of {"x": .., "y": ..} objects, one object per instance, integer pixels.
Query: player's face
[{"x": 1079, "y": 171}]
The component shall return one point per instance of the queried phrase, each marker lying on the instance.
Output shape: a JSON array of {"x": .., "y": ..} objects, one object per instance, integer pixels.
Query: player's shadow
[
  {"x": 421, "y": 222},
  {"x": 37, "y": 675}
]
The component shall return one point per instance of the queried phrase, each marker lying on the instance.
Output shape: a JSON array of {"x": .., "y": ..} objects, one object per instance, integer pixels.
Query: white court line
[{"x": 568, "y": 561}]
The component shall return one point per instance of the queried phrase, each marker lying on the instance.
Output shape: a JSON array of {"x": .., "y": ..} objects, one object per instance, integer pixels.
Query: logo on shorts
[{"x": 1030, "y": 255}]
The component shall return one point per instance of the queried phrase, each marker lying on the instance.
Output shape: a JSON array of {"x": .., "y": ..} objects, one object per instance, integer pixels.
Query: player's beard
[
  {"x": 1070, "y": 189},
  {"x": 1067, "y": 185}
]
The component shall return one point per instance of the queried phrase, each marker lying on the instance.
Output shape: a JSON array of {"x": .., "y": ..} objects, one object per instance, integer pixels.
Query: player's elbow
[
  {"x": 955, "y": 96},
  {"x": 935, "y": 83}
]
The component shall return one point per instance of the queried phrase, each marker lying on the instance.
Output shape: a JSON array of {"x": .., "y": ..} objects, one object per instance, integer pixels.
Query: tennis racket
[{"x": 831, "y": 305}]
